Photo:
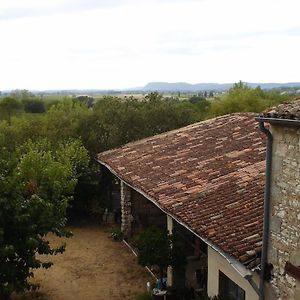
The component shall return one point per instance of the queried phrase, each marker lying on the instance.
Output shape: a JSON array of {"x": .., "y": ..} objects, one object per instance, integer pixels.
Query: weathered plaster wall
[
  {"x": 284, "y": 243},
  {"x": 217, "y": 263}
]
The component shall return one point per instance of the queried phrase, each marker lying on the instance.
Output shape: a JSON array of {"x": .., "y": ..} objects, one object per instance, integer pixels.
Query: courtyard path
[{"x": 93, "y": 267}]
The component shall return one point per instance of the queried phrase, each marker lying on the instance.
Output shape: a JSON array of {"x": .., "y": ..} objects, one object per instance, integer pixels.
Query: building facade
[{"x": 284, "y": 238}]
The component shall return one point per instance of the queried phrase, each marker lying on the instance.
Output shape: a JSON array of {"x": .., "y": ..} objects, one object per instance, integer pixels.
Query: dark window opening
[{"x": 229, "y": 289}]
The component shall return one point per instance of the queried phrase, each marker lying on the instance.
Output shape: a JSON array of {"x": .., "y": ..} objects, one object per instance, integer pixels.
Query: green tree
[
  {"x": 195, "y": 99},
  {"x": 86, "y": 100},
  {"x": 37, "y": 182},
  {"x": 62, "y": 120},
  {"x": 239, "y": 86},
  {"x": 242, "y": 98},
  {"x": 9, "y": 106},
  {"x": 202, "y": 105},
  {"x": 154, "y": 96},
  {"x": 22, "y": 128},
  {"x": 22, "y": 95},
  {"x": 34, "y": 106}
]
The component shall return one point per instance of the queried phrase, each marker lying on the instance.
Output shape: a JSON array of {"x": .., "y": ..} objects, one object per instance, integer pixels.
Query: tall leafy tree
[
  {"x": 37, "y": 182},
  {"x": 242, "y": 98},
  {"x": 9, "y": 106}
]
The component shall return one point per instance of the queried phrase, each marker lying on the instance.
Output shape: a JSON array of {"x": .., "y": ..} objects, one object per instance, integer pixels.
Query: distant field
[
  {"x": 53, "y": 98},
  {"x": 59, "y": 97}
]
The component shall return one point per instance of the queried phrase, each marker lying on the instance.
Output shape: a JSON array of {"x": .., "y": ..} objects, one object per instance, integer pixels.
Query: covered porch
[{"x": 139, "y": 213}]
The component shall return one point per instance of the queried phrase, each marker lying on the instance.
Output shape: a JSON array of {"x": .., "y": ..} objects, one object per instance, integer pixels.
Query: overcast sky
[{"x": 61, "y": 44}]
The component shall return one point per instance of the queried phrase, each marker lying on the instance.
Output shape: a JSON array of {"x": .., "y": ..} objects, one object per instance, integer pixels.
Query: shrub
[
  {"x": 144, "y": 296},
  {"x": 117, "y": 234}
]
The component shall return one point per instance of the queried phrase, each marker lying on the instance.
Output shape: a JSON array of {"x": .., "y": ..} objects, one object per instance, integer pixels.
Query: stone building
[{"x": 284, "y": 235}]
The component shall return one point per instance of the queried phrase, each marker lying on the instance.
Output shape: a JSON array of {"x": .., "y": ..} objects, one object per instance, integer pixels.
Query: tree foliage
[
  {"x": 86, "y": 100},
  {"x": 9, "y": 106},
  {"x": 37, "y": 182},
  {"x": 123, "y": 121},
  {"x": 22, "y": 95},
  {"x": 157, "y": 247},
  {"x": 242, "y": 98},
  {"x": 34, "y": 106}
]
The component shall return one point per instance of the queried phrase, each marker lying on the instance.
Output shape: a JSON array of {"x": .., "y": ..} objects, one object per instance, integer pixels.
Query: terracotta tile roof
[
  {"x": 209, "y": 175},
  {"x": 288, "y": 110}
]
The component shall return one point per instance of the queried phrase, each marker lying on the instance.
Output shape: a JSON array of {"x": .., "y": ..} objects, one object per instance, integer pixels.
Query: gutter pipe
[
  {"x": 254, "y": 285},
  {"x": 267, "y": 198},
  {"x": 279, "y": 121}
]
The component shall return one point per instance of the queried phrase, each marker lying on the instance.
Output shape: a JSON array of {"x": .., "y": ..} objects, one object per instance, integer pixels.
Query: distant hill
[
  {"x": 198, "y": 87},
  {"x": 184, "y": 87}
]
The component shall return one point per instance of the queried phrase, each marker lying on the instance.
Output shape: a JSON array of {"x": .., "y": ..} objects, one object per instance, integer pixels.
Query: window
[{"x": 228, "y": 289}]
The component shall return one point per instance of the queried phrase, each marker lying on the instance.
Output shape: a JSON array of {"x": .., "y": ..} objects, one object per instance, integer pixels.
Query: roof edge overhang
[
  {"x": 279, "y": 121},
  {"x": 237, "y": 265}
]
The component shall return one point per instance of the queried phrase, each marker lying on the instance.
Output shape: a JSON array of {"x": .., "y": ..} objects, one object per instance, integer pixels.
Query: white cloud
[{"x": 111, "y": 44}]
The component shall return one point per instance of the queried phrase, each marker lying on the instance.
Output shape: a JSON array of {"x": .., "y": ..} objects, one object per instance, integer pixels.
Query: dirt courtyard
[{"x": 93, "y": 267}]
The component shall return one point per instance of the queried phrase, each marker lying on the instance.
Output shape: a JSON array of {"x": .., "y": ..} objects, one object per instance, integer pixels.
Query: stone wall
[
  {"x": 138, "y": 212},
  {"x": 284, "y": 243}
]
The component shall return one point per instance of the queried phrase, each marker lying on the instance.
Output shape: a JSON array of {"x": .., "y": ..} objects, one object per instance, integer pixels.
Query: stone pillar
[
  {"x": 170, "y": 227},
  {"x": 126, "y": 209}
]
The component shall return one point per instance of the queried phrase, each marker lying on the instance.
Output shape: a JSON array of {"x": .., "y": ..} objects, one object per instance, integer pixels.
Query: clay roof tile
[{"x": 209, "y": 175}]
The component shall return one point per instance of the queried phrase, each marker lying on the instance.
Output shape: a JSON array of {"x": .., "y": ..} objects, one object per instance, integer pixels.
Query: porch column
[
  {"x": 170, "y": 227},
  {"x": 126, "y": 209}
]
